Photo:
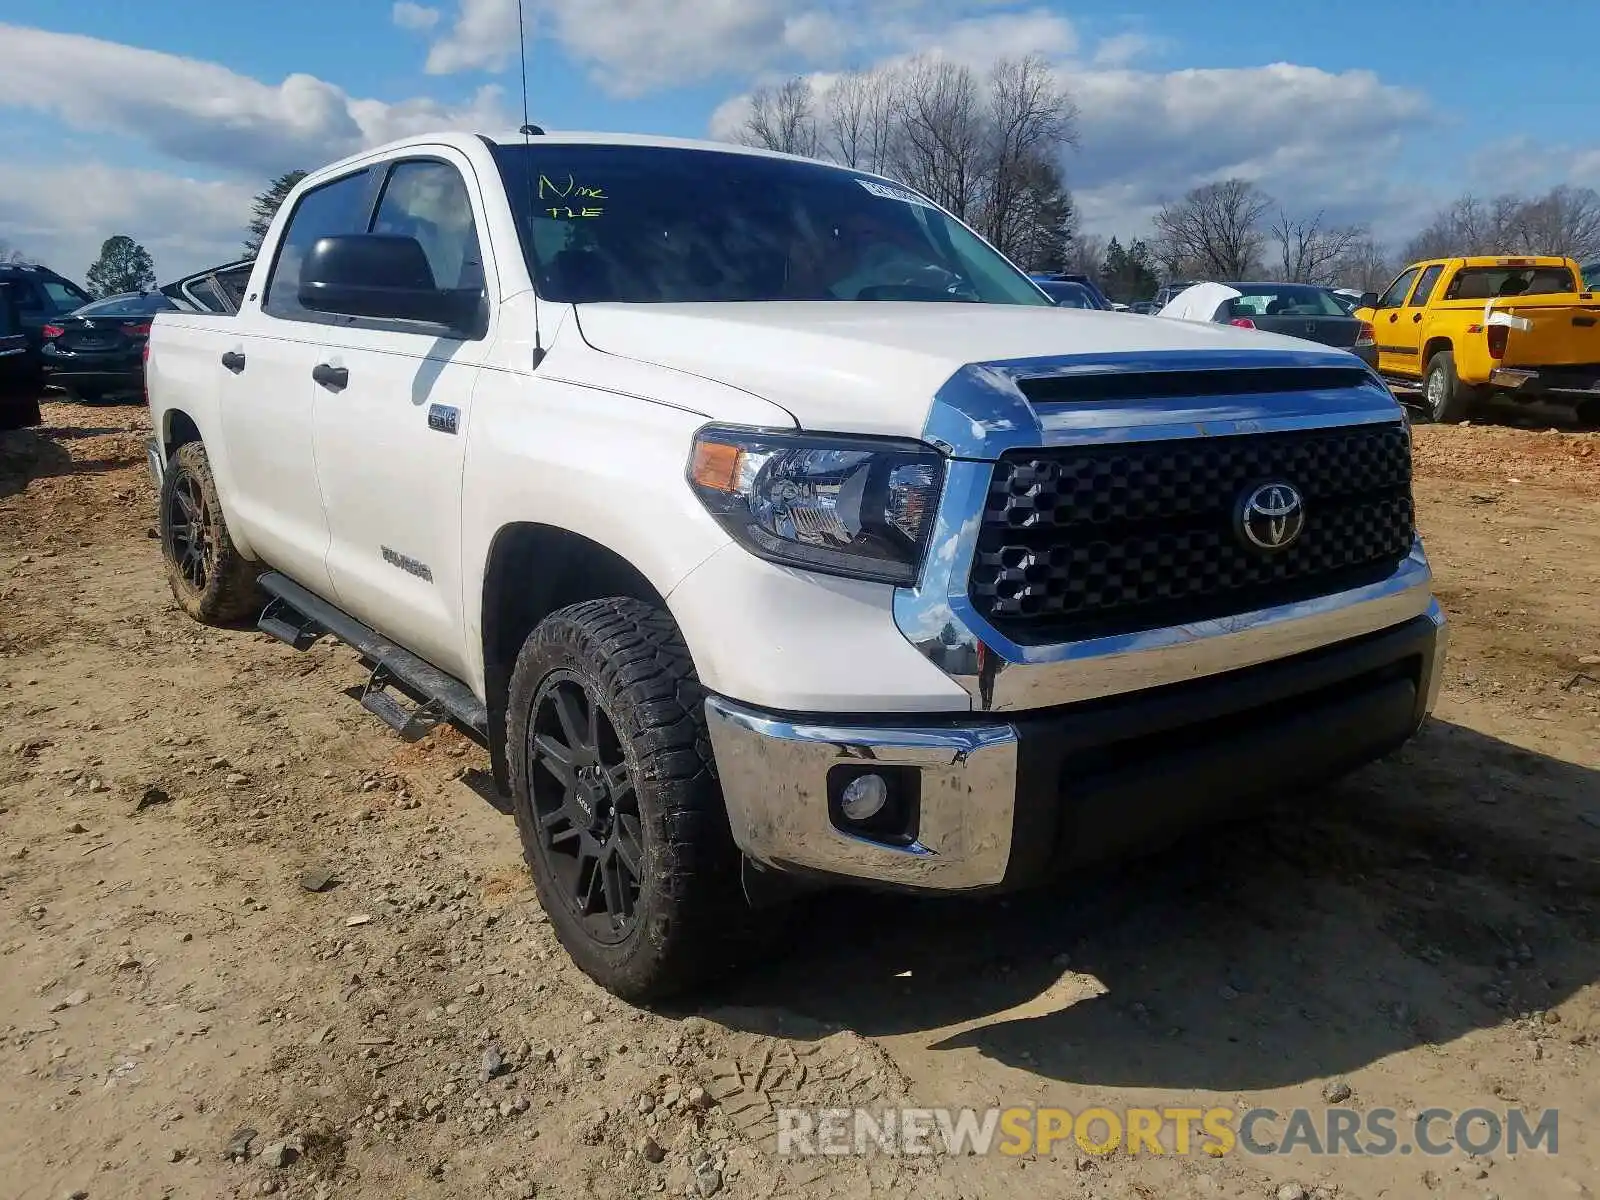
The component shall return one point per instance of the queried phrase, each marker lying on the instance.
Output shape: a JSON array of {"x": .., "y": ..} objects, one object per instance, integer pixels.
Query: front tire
[
  {"x": 210, "y": 579},
  {"x": 616, "y": 799},
  {"x": 1448, "y": 399}
]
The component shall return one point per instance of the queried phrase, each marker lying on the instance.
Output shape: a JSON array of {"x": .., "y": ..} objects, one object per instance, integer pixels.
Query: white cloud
[
  {"x": 1122, "y": 49},
  {"x": 415, "y": 16},
  {"x": 630, "y": 49},
  {"x": 1524, "y": 164},
  {"x": 202, "y": 112},
  {"x": 1315, "y": 139},
  {"x": 978, "y": 41},
  {"x": 228, "y": 124},
  {"x": 61, "y": 214}
]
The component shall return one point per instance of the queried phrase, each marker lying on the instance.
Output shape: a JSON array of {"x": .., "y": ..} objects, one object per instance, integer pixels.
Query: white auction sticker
[{"x": 894, "y": 193}]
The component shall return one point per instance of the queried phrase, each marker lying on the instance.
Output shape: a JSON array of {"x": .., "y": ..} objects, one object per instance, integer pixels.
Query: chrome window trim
[{"x": 981, "y": 413}]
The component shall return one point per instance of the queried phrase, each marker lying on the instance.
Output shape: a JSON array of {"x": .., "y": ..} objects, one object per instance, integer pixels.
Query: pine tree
[
  {"x": 123, "y": 266},
  {"x": 265, "y": 207}
]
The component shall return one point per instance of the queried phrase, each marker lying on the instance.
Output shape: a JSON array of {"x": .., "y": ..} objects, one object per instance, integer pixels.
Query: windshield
[
  {"x": 1282, "y": 300},
  {"x": 654, "y": 224},
  {"x": 126, "y": 306}
]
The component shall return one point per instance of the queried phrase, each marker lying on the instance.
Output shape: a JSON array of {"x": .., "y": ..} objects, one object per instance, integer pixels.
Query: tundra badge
[{"x": 443, "y": 419}]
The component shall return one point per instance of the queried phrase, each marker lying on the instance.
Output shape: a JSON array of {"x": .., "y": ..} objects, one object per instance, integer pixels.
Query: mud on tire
[
  {"x": 610, "y": 764},
  {"x": 210, "y": 579}
]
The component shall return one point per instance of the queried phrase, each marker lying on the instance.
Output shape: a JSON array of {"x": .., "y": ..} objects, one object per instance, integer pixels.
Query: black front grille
[{"x": 1089, "y": 541}]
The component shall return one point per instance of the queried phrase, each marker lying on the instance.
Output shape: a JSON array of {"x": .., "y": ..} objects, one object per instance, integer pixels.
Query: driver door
[
  {"x": 1394, "y": 356},
  {"x": 1406, "y": 332}
]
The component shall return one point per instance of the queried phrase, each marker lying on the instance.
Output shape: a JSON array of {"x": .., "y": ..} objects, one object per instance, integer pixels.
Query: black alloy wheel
[
  {"x": 586, "y": 807},
  {"x": 190, "y": 530}
]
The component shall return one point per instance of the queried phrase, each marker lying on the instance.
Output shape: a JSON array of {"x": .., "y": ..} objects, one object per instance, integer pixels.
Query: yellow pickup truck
[{"x": 1468, "y": 328}]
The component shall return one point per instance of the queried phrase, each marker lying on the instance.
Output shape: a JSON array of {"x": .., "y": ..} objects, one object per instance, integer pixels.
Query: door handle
[
  {"x": 1416, "y": 318},
  {"x": 331, "y": 377},
  {"x": 1393, "y": 317},
  {"x": 234, "y": 361}
]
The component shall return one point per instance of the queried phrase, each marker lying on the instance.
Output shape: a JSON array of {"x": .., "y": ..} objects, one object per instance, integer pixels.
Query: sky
[{"x": 162, "y": 118}]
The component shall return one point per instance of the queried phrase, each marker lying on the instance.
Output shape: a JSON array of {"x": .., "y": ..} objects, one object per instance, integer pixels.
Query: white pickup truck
[{"x": 766, "y": 524}]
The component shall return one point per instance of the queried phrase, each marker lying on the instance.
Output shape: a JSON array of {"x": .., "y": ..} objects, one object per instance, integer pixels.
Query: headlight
[{"x": 861, "y": 507}]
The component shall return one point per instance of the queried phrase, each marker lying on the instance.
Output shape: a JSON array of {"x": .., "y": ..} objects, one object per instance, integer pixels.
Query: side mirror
[
  {"x": 382, "y": 276},
  {"x": 1368, "y": 300}
]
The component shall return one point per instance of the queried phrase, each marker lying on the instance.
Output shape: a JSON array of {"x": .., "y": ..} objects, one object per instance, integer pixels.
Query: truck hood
[{"x": 874, "y": 367}]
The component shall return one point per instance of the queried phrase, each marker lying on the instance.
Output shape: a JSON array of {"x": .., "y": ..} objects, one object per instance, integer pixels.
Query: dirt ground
[{"x": 1425, "y": 934}]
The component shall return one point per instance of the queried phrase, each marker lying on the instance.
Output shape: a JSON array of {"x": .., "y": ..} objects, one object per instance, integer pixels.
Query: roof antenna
[{"x": 528, "y": 130}]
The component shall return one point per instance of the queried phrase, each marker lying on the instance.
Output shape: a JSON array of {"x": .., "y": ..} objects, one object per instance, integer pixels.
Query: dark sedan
[
  {"x": 98, "y": 350},
  {"x": 1298, "y": 310},
  {"x": 1069, "y": 295}
]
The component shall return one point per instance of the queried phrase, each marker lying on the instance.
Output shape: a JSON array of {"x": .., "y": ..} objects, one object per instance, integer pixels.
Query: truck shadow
[
  {"x": 1430, "y": 895},
  {"x": 42, "y": 452},
  {"x": 26, "y": 455}
]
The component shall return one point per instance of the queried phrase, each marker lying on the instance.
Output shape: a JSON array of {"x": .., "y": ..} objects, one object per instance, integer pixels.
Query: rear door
[
  {"x": 265, "y": 366},
  {"x": 19, "y": 376},
  {"x": 391, "y": 420},
  {"x": 1395, "y": 354}
]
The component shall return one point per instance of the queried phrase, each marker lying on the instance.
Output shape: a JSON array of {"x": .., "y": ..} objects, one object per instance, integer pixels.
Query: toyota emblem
[{"x": 1271, "y": 517}]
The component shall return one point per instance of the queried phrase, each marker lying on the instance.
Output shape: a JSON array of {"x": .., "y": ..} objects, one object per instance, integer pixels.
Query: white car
[{"x": 767, "y": 525}]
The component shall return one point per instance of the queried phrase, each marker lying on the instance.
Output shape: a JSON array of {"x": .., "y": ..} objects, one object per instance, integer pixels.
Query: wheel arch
[
  {"x": 532, "y": 571},
  {"x": 178, "y": 428},
  {"x": 1435, "y": 345}
]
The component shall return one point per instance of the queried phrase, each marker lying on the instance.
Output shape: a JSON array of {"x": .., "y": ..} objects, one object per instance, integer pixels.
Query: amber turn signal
[{"x": 716, "y": 466}]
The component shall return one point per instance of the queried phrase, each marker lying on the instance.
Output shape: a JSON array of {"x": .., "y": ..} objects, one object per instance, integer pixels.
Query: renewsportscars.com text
[{"x": 1020, "y": 1130}]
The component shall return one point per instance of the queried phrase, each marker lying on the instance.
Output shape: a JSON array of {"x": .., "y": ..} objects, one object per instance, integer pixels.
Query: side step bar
[{"x": 297, "y": 617}]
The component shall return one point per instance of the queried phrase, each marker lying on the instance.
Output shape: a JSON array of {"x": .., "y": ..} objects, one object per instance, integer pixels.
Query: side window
[
  {"x": 63, "y": 297},
  {"x": 1398, "y": 290},
  {"x": 1425, "y": 286},
  {"x": 337, "y": 207},
  {"x": 428, "y": 200},
  {"x": 30, "y": 297}
]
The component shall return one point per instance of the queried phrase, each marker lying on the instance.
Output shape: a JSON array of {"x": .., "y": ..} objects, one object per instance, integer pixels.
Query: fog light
[{"x": 864, "y": 797}]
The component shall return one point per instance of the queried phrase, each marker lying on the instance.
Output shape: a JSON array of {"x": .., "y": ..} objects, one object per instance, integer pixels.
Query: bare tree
[
  {"x": 845, "y": 120},
  {"x": 1309, "y": 251},
  {"x": 1030, "y": 120},
  {"x": 784, "y": 119},
  {"x": 940, "y": 134},
  {"x": 1214, "y": 231},
  {"x": 1086, "y": 254},
  {"x": 857, "y": 119},
  {"x": 1468, "y": 226},
  {"x": 1565, "y": 220},
  {"x": 1364, "y": 267},
  {"x": 988, "y": 149}
]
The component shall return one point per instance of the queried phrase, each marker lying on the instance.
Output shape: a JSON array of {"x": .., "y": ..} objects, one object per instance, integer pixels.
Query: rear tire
[
  {"x": 1446, "y": 398},
  {"x": 617, "y": 802},
  {"x": 210, "y": 579}
]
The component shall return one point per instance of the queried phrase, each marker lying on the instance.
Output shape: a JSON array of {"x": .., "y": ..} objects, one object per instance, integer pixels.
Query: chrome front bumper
[
  {"x": 979, "y": 800},
  {"x": 774, "y": 774}
]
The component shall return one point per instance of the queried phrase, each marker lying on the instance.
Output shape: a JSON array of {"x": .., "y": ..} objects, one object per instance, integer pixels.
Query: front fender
[{"x": 605, "y": 466}]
